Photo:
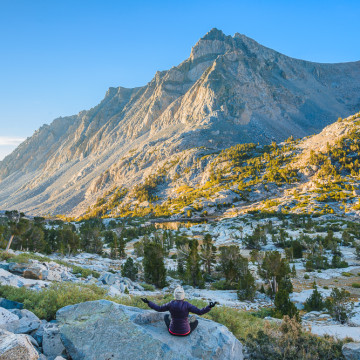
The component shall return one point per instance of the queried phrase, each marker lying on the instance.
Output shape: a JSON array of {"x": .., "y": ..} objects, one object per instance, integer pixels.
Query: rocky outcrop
[
  {"x": 34, "y": 269},
  {"x": 7, "y": 278},
  {"x": 118, "y": 285},
  {"x": 351, "y": 351},
  {"x": 100, "y": 330},
  {"x": 230, "y": 90}
]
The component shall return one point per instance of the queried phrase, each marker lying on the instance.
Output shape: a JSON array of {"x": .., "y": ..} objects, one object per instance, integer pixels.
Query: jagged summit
[
  {"x": 230, "y": 90},
  {"x": 215, "y": 34}
]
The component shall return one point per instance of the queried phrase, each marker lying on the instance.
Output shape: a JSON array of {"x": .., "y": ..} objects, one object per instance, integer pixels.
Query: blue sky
[{"x": 59, "y": 57}]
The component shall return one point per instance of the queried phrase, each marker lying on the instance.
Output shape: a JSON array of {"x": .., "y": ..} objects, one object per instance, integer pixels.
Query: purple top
[{"x": 179, "y": 310}]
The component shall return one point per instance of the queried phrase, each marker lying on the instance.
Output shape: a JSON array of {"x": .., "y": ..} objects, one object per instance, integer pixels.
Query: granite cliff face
[{"x": 230, "y": 90}]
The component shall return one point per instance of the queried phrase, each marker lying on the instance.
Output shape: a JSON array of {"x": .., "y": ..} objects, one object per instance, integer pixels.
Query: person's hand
[
  {"x": 145, "y": 300},
  {"x": 212, "y": 304}
]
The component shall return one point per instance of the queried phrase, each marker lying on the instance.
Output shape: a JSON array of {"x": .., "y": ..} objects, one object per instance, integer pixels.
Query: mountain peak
[
  {"x": 214, "y": 34},
  {"x": 214, "y": 42}
]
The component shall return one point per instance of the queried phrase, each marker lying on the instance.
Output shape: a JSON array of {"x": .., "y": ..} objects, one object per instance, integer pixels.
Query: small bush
[
  {"x": 356, "y": 285},
  {"x": 306, "y": 277},
  {"x": 223, "y": 285},
  {"x": 5, "y": 256},
  {"x": 339, "y": 305},
  {"x": 263, "y": 313},
  {"x": 346, "y": 274},
  {"x": 84, "y": 272},
  {"x": 148, "y": 287}
]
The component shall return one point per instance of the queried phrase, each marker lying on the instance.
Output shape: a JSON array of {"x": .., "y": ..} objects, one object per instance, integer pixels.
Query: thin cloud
[{"x": 10, "y": 140}]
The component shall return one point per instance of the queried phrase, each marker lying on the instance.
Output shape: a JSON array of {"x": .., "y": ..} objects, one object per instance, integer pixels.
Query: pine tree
[
  {"x": 315, "y": 301},
  {"x": 274, "y": 269},
  {"x": 247, "y": 286},
  {"x": 357, "y": 251},
  {"x": 121, "y": 248},
  {"x": 129, "y": 269},
  {"x": 114, "y": 251},
  {"x": 284, "y": 306},
  {"x": 153, "y": 263},
  {"x": 193, "y": 274},
  {"x": 208, "y": 253},
  {"x": 229, "y": 262}
]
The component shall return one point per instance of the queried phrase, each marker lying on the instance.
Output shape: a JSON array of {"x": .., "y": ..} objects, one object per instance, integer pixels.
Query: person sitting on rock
[{"x": 179, "y": 324}]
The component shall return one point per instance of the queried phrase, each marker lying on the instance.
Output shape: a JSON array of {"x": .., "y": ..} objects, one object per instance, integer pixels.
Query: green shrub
[
  {"x": 263, "y": 313},
  {"x": 5, "y": 256},
  {"x": 45, "y": 303},
  {"x": 84, "y": 272},
  {"x": 148, "y": 287},
  {"x": 340, "y": 305},
  {"x": 26, "y": 257},
  {"x": 346, "y": 274},
  {"x": 306, "y": 277},
  {"x": 356, "y": 285},
  {"x": 223, "y": 285}
]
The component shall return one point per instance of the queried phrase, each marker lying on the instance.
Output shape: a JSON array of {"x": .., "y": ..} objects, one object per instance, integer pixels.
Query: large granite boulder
[
  {"x": 99, "y": 330},
  {"x": 27, "y": 323},
  {"x": 51, "y": 342},
  {"x": 351, "y": 351},
  {"x": 7, "y": 318},
  {"x": 18, "y": 321},
  {"x": 16, "y": 347}
]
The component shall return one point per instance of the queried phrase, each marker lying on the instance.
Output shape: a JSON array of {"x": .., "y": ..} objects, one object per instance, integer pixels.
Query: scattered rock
[
  {"x": 351, "y": 351},
  {"x": 133, "y": 333}
]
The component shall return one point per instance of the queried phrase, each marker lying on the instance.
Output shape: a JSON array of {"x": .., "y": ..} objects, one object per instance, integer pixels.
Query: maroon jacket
[{"x": 179, "y": 310}]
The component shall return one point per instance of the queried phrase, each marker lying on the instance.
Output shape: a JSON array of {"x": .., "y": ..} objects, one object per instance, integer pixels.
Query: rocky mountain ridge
[{"x": 230, "y": 90}]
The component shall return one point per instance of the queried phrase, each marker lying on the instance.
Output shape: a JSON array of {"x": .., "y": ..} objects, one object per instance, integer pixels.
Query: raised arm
[
  {"x": 195, "y": 310},
  {"x": 159, "y": 308}
]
